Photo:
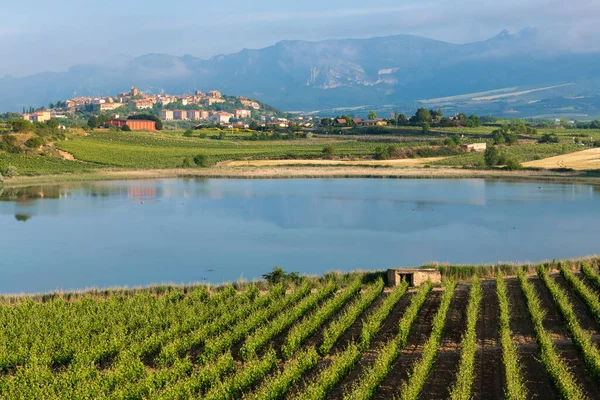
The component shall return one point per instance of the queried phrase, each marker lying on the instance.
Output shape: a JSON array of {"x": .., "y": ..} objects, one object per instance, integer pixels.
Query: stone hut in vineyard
[{"x": 414, "y": 276}]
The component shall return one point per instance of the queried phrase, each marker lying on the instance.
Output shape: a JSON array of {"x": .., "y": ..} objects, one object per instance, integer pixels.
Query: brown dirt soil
[
  {"x": 537, "y": 381},
  {"x": 419, "y": 333},
  {"x": 554, "y": 323},
  {"x": 440, "y": 381},
  {"x": 489, "y": 380},
  {"x": 585, "y": 318},
  {"x": 389, "y": 330},
  {"x": 353, "y": 333}
]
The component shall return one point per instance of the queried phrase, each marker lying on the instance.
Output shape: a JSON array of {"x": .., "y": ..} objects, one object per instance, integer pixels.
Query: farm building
[
  {"x": 475, "y": 147},
  {"x": 414, "y": 276},
  {"x": 134, "y": 124}
]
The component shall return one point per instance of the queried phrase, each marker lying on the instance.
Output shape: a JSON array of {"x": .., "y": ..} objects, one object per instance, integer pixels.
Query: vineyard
[
  {"x": 151, "y": 150},
  {"x": 527, "y": 332}
]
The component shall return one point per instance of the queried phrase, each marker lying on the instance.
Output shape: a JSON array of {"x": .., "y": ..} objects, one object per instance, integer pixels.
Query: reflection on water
[{"x": 181, "y": 230}]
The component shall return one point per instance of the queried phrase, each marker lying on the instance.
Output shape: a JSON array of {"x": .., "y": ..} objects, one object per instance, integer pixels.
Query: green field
[
  {"x": 171, "y": 149},
  {"x": 151, "y": 150},
  {"x": 339, "y": 336}
]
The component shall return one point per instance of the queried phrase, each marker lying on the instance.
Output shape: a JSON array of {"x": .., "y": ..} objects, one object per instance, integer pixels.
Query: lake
[{"x": 197, "y": 230}]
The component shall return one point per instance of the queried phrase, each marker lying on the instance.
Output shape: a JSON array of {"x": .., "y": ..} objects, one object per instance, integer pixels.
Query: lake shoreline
[
  {"x": 310, "y": 171},
  {"x": 459, "y": 272}
]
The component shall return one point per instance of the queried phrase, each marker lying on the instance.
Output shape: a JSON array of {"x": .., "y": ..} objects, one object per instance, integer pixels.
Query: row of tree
[{"x": 421, "y": 117}]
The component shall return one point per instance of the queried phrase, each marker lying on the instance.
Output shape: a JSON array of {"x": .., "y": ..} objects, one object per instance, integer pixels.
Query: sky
[{"x": 52, "y": 36}]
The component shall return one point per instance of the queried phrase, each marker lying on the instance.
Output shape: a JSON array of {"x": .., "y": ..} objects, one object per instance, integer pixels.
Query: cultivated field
[
  {"x": 517, "y": 334},
  {"x": 581, "y": 160}
]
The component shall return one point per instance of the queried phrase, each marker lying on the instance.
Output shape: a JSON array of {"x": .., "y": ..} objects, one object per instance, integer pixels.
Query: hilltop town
[{"x": 209, "y": 108}]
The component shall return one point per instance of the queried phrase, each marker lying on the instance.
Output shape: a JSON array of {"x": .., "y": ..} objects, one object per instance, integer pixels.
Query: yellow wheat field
[{"x": 581, "y": 160}]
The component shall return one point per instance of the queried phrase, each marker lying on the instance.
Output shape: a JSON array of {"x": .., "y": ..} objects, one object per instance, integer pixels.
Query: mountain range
[{"x": 518, "y": 73}]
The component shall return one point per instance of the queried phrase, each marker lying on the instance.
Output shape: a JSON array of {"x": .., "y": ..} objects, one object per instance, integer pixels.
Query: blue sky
[{"x": 51, "y": 36}]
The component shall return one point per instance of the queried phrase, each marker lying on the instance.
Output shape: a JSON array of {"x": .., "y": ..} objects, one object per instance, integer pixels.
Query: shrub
[
  {"x": 203, "y": 160},
  {"x": 550, "y": 138},
  {"x": 34, "y": 142},
  {"x": 383, "y": 152},
  {"x": 512, "y": 165},
  {"x": 278, "y": 275},
  {"x": 11, "y": 171},
  {"x": 328, "y": 150},
  {"x": 188, "y": 163},
  {"x": 188, "y": 133},
  {"x": 126, "y": 128},
  {"x": 1, "y": 178}
]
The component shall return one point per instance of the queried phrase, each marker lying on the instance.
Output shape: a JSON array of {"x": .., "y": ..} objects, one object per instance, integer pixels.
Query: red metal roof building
[{"x": 134, "y": 124}]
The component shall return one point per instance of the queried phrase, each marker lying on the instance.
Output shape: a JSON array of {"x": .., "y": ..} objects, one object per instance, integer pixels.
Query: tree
[
  {"x": 473, "y": 121},
  {"x": 491, "y": 156},
  {"x": 402, "y": 120},
  {"x": 425, "y": 128},
  {"x": 52, "y": 124},
  {"x": 126, "y": 128},
  {"x": 436, "y": 115},
  {"x": 21, "y": 126},
  {"x": 498, "y": 136},
  {"x": 564, "y": 122},
  {"x": 372, "y": 115},
  {"x": 253, "y": 125},
  {"x": 422, "y": 116},
  {"x": 93, "y": 122},
  {"x": 395, "y": 115}
]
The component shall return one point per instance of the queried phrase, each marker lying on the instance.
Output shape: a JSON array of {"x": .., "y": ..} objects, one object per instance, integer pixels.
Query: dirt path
[
  {"x": 537, "y": 381},
  {"x": 442, "y": 378},
  {"x": 66, "y": 156},
  {"x": 419, "y": 333},
  {"x": 489, "y": 379}
]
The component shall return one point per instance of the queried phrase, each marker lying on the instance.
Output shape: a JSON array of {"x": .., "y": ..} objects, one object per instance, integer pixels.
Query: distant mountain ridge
[{"x": 301, "y": 75}]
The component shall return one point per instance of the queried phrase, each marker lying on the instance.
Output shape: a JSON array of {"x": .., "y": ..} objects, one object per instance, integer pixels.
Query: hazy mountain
[{"x": 300, "y": 75}]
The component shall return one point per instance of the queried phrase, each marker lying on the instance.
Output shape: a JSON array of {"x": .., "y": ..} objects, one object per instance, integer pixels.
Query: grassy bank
[{"x": 309, "y": 171}]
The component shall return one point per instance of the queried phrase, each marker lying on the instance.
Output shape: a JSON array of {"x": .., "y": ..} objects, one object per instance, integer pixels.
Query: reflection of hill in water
[{"x": 356, "y": 204}]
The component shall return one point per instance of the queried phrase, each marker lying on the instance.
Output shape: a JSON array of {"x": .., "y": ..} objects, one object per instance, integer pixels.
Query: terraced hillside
[{"x": 526, "y": 332}]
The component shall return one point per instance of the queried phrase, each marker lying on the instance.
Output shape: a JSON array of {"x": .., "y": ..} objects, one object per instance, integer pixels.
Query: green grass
[
  {"x": 42, "y": 165},
  {"x": 142, "y": 150}
]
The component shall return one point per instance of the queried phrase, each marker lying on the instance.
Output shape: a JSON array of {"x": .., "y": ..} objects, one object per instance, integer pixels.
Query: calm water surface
[{"x": 182, "y": 230}]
